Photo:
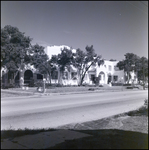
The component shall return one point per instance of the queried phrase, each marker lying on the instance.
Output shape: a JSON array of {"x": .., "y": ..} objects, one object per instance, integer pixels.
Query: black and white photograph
[{"x": 74, "y": 74}]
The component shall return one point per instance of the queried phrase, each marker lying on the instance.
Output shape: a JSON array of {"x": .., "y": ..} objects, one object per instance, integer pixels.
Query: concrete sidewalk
[{"x": 41, "y": 140}]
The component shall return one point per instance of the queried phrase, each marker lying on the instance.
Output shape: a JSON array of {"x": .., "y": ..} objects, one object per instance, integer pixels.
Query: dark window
[
  {"x": 99, "y": 77},
  {"x": 74, "y": 75},
  {"x": 115, "y": 78},
  {"x": 39, "y": 76},
  {"x": 93, "y": 78},
  {"x": 109, "y": 79}
]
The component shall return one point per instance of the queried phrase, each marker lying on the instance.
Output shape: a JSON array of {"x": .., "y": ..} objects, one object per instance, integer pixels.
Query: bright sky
[{"x": 114, "y": 28}]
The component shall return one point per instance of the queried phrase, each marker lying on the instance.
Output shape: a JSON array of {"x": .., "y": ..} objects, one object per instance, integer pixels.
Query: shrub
[
  {"x": 129, "y": 87},
  {"x": 100, "y": 85},
  {"x": 38, "y": 83},
  {"x": 31, "y": 83},
  {"x": 117, "y": 84},
  {"x": 8, "y": 85},
  {"x": 146, "y": 103},
  {"x": 91, "y": 89},
  {"x": 142, "y": 111},
  {"x": 126, "y": 84}
]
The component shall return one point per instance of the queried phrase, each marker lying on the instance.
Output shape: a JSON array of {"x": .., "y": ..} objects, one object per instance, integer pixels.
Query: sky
[{"x": 114, "y": 28}]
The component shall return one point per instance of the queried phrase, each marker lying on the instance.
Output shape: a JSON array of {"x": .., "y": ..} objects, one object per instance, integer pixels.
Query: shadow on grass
[
  {"x": 100, "y": 139},
  {"x": 107, "y": 139}
]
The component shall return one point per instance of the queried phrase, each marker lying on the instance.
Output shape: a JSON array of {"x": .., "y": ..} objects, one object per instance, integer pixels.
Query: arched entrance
[
  {"x": 28, "y": 76},
  {"x": 101, "y": 77}
]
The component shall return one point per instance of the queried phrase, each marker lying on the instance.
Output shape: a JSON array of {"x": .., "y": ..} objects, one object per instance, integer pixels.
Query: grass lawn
[{"x": 31, "y": 90}]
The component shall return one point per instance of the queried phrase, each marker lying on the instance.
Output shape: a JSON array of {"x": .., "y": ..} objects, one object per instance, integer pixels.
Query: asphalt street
[{"x": 35, "y": 112}]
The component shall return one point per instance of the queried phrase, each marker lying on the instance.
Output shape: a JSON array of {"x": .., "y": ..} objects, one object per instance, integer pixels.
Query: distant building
[{"x": 55, "y": 50}]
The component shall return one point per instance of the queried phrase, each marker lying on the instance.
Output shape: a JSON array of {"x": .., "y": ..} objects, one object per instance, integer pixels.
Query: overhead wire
[
  {"x": 144, "y": 4},
  {"x": 138, "y": 7}
]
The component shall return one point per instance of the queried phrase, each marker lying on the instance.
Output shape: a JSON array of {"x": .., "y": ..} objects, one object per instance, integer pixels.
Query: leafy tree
[
  {"x": 133, "y": 62},
  {"x": 127, "y": 64},
  {"x": 40, "y": 60},
  {"x": 84, "y": 60},
  {"x": 15, "y": 49},
  {"x": 143, "y": 69},
  {"x": 63, "y": 60}
]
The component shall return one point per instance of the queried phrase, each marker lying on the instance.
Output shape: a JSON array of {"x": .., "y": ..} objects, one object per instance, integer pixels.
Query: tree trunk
[
  {"x": 128, "y": 78},
  {"x": 49, "y": 73},
  {"x": 50, "y": 78},
  {"x": 15, "y": 74},
  {"x": 79, "y": 83},
  {"x": 143, "y": 79},
  {"x": 82, "y": 78},
  {"x": 85, "y": 73},
  {"x": 60, "y": 77}
]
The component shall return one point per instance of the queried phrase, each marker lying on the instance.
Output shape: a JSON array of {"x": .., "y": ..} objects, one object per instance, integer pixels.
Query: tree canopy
[
  {"x": 14, "y": 48},
  {"x": 134, "y": 62},
  {"x": 84, "y": 60}
]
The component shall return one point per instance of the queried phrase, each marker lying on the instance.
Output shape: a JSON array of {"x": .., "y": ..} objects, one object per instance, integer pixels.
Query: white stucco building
[{"x": 107, "y": 73}]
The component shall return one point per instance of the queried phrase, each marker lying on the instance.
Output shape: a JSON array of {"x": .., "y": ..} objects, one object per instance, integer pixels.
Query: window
[
  {"x": 93, "y": 78},
  {"x": 115, "y": 78},
  {"x": 74, "y": 75},
  {"x": 99, "y": 77},
  {"x": 116, "y": 68},
  {"x": 65, "y": 75},
  {"x": 109, "y": 78},
  {"x": 39, "y": 76},
  {"x": 110, "y": 67}
]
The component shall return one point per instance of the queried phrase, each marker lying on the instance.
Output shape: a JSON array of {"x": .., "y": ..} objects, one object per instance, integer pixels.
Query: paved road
[{"x": 56, "y": 110}]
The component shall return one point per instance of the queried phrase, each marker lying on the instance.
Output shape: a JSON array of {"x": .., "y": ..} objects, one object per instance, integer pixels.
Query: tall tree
[
  {"x": 15, "y": 47},
  {"x": 63, "y": 60},
  {"x": 132, "y": 62},
  {"x": 143, "y": 70},
  {"x": 40, "y": 60},
  {"x": 84, "y": 60}
]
